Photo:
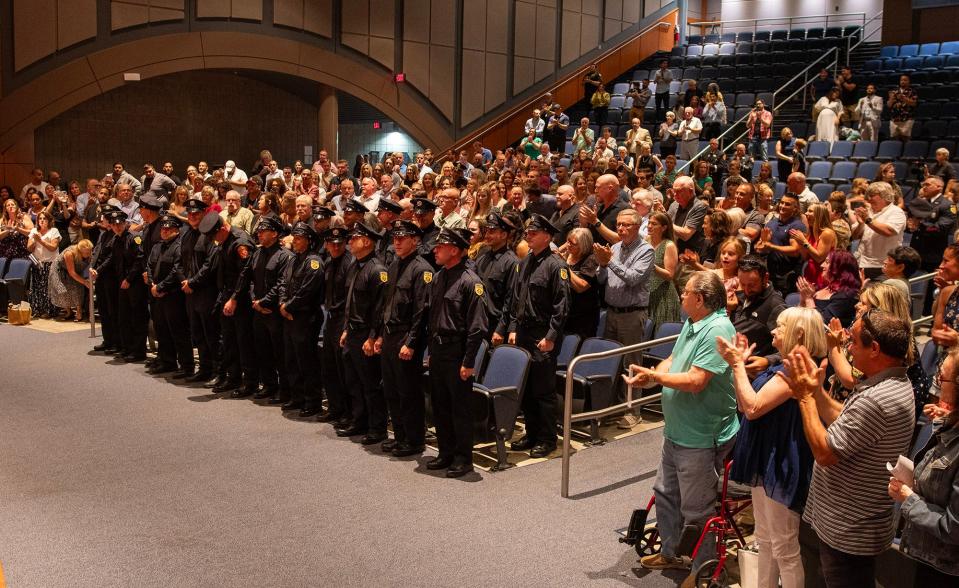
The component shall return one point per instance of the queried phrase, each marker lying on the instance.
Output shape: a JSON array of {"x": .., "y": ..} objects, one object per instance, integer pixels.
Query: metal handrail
[
  {"x": 915, "y": 280},
  {"x": 569, "y": 418},
  {"x": 788, "y": 20},
  {"x": 499, "y": 120}
]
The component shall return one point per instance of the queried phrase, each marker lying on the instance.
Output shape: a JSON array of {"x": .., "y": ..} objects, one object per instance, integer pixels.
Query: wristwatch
[
  {"x": 868, "y": 220},
  {"x": 596, "y": 224}
]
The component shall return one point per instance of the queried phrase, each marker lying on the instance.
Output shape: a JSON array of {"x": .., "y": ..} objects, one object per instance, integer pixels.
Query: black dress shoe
[
  {"x": 102, "y": 347},
  {"x": 226, "y": 386},
  {"x": 373, "y": 438},
  {"x": 351, "y": 431},
  {"x": 326, "y": 417},
  {"x": 405, "y": 449},
  {"x": 523, "y": 444},
  {"x": 218, "y": 381},
  {"x": 389, "y": 445},
  {"x": 293, "y": 405},
  {"x": 240, "y": 393},
  {"x": 458, "y": 470},
  {"x": 277, "y": 400},
  {"x": 542, "y": 450},
  {"x": 439, "y": 463},
  {"x": 211, "y": 383},
  {"x": 200, "y": 376},
  {"x": 160, "y": 368},
  {"x": 134, "y": 357},
  {"x": 307, "y": 413},
  {"x": 182, "y": 374},
  {"x": 342, "y": 423},
  {"x": 264, "y": 393}
]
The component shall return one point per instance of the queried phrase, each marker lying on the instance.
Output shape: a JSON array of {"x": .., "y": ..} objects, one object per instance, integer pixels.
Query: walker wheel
[
  {"x": 704, "y": 575},
  {"x": 649, "y": 543}
]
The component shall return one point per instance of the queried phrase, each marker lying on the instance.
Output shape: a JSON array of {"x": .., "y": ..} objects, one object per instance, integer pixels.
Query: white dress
[{"x": 826, "y": 128}]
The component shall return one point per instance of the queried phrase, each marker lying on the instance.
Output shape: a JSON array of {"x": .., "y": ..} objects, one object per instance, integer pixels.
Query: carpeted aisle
[{"x": 110, "y": 477}]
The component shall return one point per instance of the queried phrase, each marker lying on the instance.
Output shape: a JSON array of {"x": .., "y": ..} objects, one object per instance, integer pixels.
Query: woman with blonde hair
[
  {"x": 482, "y": 203},
  {"x": 887, "y": 298},
  {"x": 663, "y": 296},
  {"x": 67, "y": 283},
  {"x": 178, "y": 204},
  {"x": 771, "y": 453},
  {"x": 816, "y": 247}
]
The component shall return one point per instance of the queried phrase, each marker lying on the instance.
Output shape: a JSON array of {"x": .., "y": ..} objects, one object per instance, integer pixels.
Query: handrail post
[
  {"x": 567, "y": 425},
  {"x": 93, "y": 320}
]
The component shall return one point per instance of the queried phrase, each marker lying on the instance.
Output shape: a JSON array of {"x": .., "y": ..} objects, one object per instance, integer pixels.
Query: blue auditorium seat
[
  {"x": 949, "y": 48},
  {"x": 908, "y": 50},
  {"x": 929, "y": 49},
  {"x": 841, "y": 150},
  {"x": 868, "y": 170},
  {"x": 864, "y": 150},
  {"x": 889, "y": 52}
]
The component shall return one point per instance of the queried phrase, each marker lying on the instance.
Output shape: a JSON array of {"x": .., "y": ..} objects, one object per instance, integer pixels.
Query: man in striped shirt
[{"x": 848, "y": 505}]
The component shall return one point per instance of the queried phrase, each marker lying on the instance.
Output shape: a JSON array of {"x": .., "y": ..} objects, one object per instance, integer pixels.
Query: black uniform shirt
[
  {"x": 232, "y": 256},
  {"x": 458, "y": 310},
  {"x": 100, "y": 259},
  {"x": 427, "y": 242},
  {"x": 163, "y": 268},
  {"x": 302, "y": 286},
  {"x": 127, "y": 259},
  {"x": 366, "y": 290},
  {"x": 335, "y": 272},
  {"x": 197, "y": 259},
  {"x": 497, "y": 269},
  {"x": 265, "y": 272},
  {"x": 408, "y": 298},
  {"x": 540, "y": 294}
]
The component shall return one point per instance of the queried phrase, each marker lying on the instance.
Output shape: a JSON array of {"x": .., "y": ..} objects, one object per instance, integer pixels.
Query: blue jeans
[
  {"x": 758, "y": 149},
  {"x": 686, "y": 489}
]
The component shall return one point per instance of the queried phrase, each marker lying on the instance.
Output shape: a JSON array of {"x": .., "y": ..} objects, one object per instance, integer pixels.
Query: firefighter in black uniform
[
  {"x": 300, "y": 296},
  {"x": 354, "y": 212},
  {"x": 366, "y": 289},
  {"x": 163, "y": 279},
  {"x": 165, "y": 361},
  {"x": 234, "y": 249},
  {"x": 403, "y": 341},
  {"x": 457, "y": 325},
  {"x": 496, "y": 264},
  {"x": 387, "y": 211},
  {"x": 264, "y": 272},
  {"x": 423, "y": 212},
  {"x": 536, "y": 314},
  {"x": 199, "y": 285},
  {"x": 335, "y": 270},
  {"x": 105, "y": 283},
  {"x": 127, "y": 262},
  {"x": 322, "y": 217}
]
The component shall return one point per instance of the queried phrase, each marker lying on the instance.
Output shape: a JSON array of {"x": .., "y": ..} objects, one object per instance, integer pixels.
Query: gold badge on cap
[
  {"x": 478, "y": 288},
  {"x": 427, "y": 277},
  {"x": 384, "y": 277},
  {"x": 314, "y": 264},
  {"x": 563, "y": 273}
]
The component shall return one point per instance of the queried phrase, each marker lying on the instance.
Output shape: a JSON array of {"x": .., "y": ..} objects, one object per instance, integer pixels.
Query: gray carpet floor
[{"x": 111, "y": 477}]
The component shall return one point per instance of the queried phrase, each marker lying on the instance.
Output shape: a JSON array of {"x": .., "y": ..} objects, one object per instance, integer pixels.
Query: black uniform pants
[
  {"x": 132, "y": 318},
  {"x": 363, "y": 382},
  {"x": 332, "y": 362},
  {"x": 204, "y": 327},
  {"x": 403, "y": 389},
  {"x": 539, "y": 398},
  {"x": 268, "y": 337},
  {"x": 105, "y": 288},
  {"x": 239, "y": 358},
  {"x": 299, "y": 337},
  {"x": 452, "y": 405},
  {"x": 170, "y": 324},
  {"x": 166, "y": 350}
]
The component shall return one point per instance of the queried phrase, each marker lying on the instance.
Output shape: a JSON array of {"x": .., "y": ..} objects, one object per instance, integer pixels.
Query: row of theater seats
[
  {"x": 776, "y": 35},
  {"x": 924, "y": 50}
]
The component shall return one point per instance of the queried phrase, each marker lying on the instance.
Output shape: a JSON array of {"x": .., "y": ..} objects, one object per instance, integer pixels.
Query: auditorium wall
[{"x": 181, "y": 118}]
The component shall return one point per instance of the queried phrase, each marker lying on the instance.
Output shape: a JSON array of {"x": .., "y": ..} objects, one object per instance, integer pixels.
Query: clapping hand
[
  {"x": 602, "y": 253},
  {"x": 806, "y": 290},
  {"x": 802, "y": 375},
  {"x": 642, "y": 376},
  {"x": 835, "y": 334},
  {"x": 587, "y": 216},
  {"x": 736, "y": 349},
  {"x": 799, "y": 236},
  {"x": 945, "y": 336}
]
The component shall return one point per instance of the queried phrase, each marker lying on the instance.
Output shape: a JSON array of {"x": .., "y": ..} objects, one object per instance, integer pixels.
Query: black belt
[
  {"x": 622, "y": 309},
  {"x": 448, "y": 339},
  {"x": 391, "y": 329}
]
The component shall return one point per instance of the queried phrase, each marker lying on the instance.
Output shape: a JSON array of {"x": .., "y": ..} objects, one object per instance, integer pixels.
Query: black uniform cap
[
  {"x": 361, "y": 230},
  {"x": 497, "y": 221},
  {"x": 355, "y": 206},
  {"x": 168, "y": 221},
  {"x": 321, "y": 212},
  {"x": 389, "y": 206},
  {"x": 302, "y": 229},
  {"x": 335, "y": 235},
  {"x": 458, "y": 237},
  {"x": 538, "y": 222},
  {"x": 270, "y": 223},
  {"x": 405, "y": 228},
  {"x": 116, "y": 217},
  {"x": 423, "y": 206},
  {"x": 151, "y": 202},
  {"x": 210, "y": 224},
  {"x": 195, "y": 205}
]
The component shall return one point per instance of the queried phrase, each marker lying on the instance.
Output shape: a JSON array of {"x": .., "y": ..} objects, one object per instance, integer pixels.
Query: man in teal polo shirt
[{"x": 699, "y": 407}]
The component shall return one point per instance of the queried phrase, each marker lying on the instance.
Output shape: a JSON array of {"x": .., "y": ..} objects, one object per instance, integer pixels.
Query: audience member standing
[{"x": 879, "y": 229}]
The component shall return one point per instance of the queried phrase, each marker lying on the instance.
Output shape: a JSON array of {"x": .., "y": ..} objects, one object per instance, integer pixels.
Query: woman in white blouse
[
  {"x": 826, "y": 114},
  {"x": 43, "y": 242}
]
